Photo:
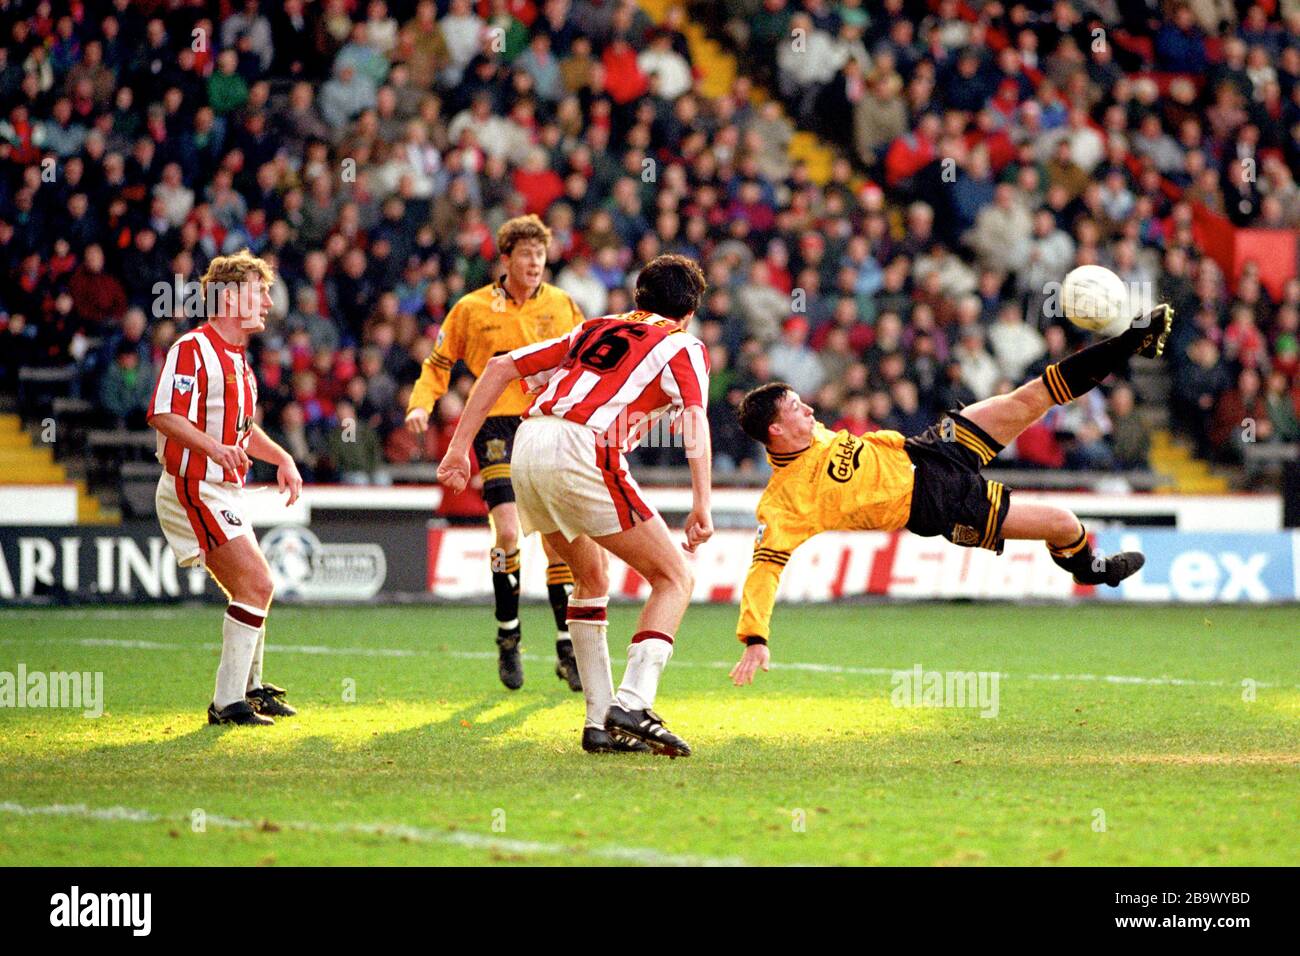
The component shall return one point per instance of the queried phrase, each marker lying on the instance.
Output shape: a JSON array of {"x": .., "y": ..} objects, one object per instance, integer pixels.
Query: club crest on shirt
[
  {"x": 965, "y": 535},
  {"x": 496, "y": 449},
  {"x": 184, "y": 383}
]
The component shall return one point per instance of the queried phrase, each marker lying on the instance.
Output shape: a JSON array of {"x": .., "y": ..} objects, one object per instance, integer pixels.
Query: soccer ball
[{"x": 1096, "y": 299}]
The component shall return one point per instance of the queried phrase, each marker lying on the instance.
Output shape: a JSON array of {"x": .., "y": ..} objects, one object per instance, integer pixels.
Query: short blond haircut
[
  {"x": 235, "y": 268},
  {"x": 522, "y": 229}
]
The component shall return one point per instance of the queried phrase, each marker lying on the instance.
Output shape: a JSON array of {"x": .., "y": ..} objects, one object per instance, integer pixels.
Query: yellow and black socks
[
  {"x": 559, "y": 583},
  {"x": 1087, "y": 368},
  {"x": 1077, "y": 558},
  {"x": 505, "y": 588},
  {"x": 646, "y": 657}
]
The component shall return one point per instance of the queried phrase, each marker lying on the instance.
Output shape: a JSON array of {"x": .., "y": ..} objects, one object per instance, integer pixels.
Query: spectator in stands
[
  {"x": 1016, "y": 345},
  {"x": 19, "y": 349},
  {"x": 1282, "y": 407},
  {"x": 303, "y": 441},
  {"x": 1085, "y": 428},
  {"x": 126, "y": 387},
  {"x": 1240, "y": 418},
  {"x": 582, "y": 286},
  {"x": 667, "y": 69},
  {"x": 793, "y": 361},
  {"x": 736, "y": 451},
  {"x": 1000, "y": 236},
  {"x": 1050, "y": 254},
  {"x": 98, "y": 295},
  {"x": 1129, "y": 438},
  {"x": 907, "y": 415},
  {"x": 1180, "y": 43},
  {"x": 979, "y": 371},
  {"x": 354, "y": 450},
  {"x": 1197, "y": 389},
  {"x": 345, "y": 96}
]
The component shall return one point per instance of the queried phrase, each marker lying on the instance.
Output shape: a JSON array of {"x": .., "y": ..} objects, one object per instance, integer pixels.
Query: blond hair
[
  {"x": 235, "y": 268},
  {"x": 522, "y": 229}
]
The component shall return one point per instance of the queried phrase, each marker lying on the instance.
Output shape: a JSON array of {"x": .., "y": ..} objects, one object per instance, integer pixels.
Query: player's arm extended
[
  {"x": 771, "y": 552},
  {"x": 759, "y": 598},
  {"x": 453, "y": 470},
  {"x": 756, "y": 603},
  {"x": 699, "y": 456},
  {"x": 181, "y": 430},
  {"x": 263, "y": 448}
]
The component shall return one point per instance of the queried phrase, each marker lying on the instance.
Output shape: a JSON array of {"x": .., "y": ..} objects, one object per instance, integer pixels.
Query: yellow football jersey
[
  {"x": 840, "y": 482},
  {"x": 487, "y": 322}
]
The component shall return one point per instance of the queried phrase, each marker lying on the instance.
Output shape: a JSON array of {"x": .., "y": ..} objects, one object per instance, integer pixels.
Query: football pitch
[{"x": 1098, "y": 736}]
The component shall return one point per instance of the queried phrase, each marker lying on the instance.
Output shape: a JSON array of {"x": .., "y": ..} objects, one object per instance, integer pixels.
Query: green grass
[{"x": 435, "y": 763}]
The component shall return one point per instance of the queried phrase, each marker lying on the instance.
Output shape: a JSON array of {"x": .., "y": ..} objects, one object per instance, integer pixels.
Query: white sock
[
  {"x": 591, "y": 651},
  {"x": 239, "y": 632},
  {"x": 255, "y": 672},
  {"x": 645, "y": 662}
]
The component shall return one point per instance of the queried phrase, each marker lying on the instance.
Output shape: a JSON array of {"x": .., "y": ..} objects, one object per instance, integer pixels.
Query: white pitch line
[
  {"x": 400, "y": 831},
  {"x": 326, "y": 651},
  {"x": 93, "y": 614}
]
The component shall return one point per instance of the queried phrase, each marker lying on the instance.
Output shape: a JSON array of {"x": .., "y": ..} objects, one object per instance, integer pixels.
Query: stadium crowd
[{"x": 369, "y": 150}]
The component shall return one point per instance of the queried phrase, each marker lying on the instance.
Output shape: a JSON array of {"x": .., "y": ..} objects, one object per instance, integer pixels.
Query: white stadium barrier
[{"x": 356, "y": 544}]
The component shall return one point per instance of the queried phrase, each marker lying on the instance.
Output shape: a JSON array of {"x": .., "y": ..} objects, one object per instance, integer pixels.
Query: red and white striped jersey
[
  {"x": 616, "y": 374},
  {"x": 209, "y": 381}
]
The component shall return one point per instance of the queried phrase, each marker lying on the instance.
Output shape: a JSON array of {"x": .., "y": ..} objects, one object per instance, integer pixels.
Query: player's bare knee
[
  {"x": 1036, "y": 399},
  {"x": 590, "y": 582},
  {"x": 257, "y": 590},
  {"x": 1064, "y": 528},
  {"x": 675, "y": 575}
]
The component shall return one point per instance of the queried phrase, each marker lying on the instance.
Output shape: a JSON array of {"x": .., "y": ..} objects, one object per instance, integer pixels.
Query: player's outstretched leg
[
  {"x": 1067, "y": 542},
  {"x": 650, "y": 551},
  {"x": 1004, "y": 417},
  {"x": 587, "y": 624},
  {"x": 1087, "y": 368}
]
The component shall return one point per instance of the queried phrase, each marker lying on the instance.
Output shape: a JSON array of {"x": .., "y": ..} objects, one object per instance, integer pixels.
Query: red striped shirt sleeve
[
  {"x": 690, "y": 371},
  {"x": 174, "y": 391},
  {"x": 536, "y": 363}
]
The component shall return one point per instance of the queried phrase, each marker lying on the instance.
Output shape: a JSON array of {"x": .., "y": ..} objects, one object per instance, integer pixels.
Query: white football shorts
[
  {"x": 198, "y": 516},
  {"x": 567, "y": 479}
]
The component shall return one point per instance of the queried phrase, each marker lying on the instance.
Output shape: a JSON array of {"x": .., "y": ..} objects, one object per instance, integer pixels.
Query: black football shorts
[
  {"x": 492, "y": 446},
  {"x": 950, "y": 497}
]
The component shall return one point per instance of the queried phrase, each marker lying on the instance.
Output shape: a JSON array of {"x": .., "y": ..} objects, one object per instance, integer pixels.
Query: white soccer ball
[{"x": 1096, "y": 299}]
